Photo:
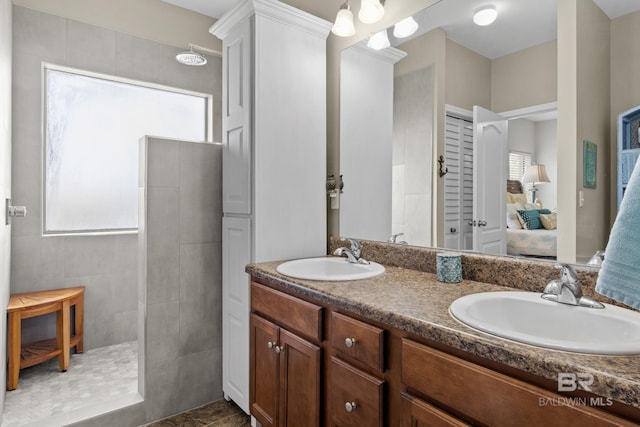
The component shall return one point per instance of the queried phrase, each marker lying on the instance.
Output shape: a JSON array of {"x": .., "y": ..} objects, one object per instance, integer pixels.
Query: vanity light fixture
[
  {"x": 485, "y": 16},
  {"x": 191, "y": 57},
  {"x": 379, "y": 40},
  {"x": 405, "y": 28},
  {"x": 343, "y": 27},
  {"x": 371, "y": 11}
]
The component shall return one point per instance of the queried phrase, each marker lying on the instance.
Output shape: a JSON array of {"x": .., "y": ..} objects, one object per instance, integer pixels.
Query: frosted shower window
[{"x": 93, "y": 126}]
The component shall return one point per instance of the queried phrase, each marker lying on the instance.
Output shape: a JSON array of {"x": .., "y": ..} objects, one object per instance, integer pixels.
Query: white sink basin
[
  {"x": 527, "y": 318},
  {"x": 328, "y": 269}
]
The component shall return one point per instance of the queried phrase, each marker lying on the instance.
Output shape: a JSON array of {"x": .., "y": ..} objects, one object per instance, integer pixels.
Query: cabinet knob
[
  {"x": 270, "y": 344},
  {"x": 278, "y": 349},
  {"x": 350, "y": 406},
  {"x": 350, "y": 342}
]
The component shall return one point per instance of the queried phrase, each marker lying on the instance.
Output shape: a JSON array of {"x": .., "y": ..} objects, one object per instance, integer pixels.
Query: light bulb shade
[
  {"x": 371, "y": 11},
  {"x": 343, "y": 27},
  {"x": 485, "y": 16},
  {"x": 405, "y": 28},
  {"x": 535, "y": 174},
  {"x": 190, "y": 57},
  {"x": 379, "y": 40}
]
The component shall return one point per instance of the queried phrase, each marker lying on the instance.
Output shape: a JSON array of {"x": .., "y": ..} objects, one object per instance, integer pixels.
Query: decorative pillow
[
  {"x": 549, "y": 221},
  {"x": 512, "y": 215},
  {"x": 531, "y": 219},
  {"x": 516, "y": 198},
  {"x": 528, "y": 206}
]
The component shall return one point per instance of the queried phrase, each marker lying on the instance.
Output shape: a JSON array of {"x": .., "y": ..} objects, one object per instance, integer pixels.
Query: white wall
[
  {"x": 5, "y": 176},
  {"x": 546, "y": 142},
  {"x": 366, "y": 133},
  {"x": 522, "y": 138}
]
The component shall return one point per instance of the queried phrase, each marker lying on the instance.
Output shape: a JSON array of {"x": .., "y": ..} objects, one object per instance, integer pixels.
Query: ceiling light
[
  {"x": 371, "y": 11},
  {"x": 405, "y": 28},
  {"x": 190, "y": 57},
  {"x": 485, "y": 16},
  {"x": 379, "y": 40},
  {"x": 343, "y": 27}
]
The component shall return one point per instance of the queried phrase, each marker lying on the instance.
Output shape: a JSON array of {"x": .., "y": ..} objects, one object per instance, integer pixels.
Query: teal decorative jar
[{"x": 449, "y": 267}]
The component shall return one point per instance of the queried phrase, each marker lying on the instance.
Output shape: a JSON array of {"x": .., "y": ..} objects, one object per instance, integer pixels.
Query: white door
[
  {"x": 490, "y": 181},
  {"x": 458, "y": 182},
  {"x": 236, "y": 244}
]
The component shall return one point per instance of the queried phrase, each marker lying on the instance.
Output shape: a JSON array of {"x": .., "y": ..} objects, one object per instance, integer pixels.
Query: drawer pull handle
[
  {"x": 350, "y": 406},
  {"x": 350, "y": 342}
]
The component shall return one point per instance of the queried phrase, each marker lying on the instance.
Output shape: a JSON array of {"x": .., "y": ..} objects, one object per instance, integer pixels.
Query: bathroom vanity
[{"x": 384, "y": 351}]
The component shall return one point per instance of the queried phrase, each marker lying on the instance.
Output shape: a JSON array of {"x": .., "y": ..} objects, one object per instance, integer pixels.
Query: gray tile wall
[
  {"x": 107, "y": 264},
  {"x": 181, "y": 244}
]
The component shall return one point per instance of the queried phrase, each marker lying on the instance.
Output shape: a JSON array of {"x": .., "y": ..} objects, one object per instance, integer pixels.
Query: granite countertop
[{"x": 415, "y": 302}]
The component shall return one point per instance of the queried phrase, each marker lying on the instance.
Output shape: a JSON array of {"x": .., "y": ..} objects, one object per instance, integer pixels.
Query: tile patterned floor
[
  {"x": 219, "y": 414},
  {"x": 96, "y": 375}
]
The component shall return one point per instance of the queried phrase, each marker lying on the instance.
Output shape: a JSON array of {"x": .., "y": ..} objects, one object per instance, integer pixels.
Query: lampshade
[
  {"x": 371, "y": 11},
  {"x": 343, "y": 27},
  {"x": 379, "y": 40},
  {"x": 485, "y": 16},
  {"x": 405, "y": 28},
  {"x": 534, "y": 174}
]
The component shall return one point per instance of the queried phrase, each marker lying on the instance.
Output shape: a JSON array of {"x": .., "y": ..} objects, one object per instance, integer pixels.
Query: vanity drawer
[
  {"x": 357, "y": 339},
  {"x": 364, "y": 392},
  {"x": 418, "y": 413},
  {"x": 489, "y": 397},
  {"x": 290, "y": 312}
]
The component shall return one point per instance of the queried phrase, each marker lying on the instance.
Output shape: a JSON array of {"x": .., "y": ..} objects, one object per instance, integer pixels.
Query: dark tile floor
[{"x": 220, "y": 414}]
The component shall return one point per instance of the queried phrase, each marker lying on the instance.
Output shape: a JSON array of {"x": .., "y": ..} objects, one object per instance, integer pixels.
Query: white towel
[{"x": 619, "y": 277}]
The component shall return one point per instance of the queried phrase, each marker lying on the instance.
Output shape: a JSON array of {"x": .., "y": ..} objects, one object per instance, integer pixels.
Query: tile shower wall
[
  {"x": 180, "y": 275},
  {"x": 105, "y": 264}
]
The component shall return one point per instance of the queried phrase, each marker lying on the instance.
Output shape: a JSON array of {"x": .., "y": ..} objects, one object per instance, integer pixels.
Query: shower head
[{"x": 191, "y": 57}]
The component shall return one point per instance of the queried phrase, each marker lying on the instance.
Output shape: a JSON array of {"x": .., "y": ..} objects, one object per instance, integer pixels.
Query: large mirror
[{"x": 405, "y": 106}]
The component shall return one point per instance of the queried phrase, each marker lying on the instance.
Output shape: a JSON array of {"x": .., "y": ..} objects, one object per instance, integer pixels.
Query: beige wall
[
  {"x": 583, "y": 113},
  {"x": 152, "y": 20},
  {"x": 525, "y": 78},
  {"x": 468, "y": 78},
  {"x": 625, "y": 94},
  {"x": 592, "y": 220}
]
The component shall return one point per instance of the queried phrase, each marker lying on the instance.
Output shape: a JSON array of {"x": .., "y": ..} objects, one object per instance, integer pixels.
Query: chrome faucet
[
  {"x": 353, "y": 254},
  {"x": 567, "y": 289},
  {"x": 394, "y": 239}
]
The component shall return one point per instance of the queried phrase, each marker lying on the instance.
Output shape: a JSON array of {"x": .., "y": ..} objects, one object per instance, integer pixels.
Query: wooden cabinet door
[
  {"x": 418, "y": 413},
  {"x": 299, "y": 382},
  {"x": 264, "y": 371},
  {"x": 356, "y": 399}
]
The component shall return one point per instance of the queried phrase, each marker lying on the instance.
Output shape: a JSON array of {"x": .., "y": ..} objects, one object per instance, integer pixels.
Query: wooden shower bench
[{"x": 32, "y": 304}]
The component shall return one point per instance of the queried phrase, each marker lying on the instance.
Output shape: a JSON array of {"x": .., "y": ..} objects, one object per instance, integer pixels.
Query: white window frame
[
  {"x": 523, "y": 162},
  {"x": 49, "y": 66}
]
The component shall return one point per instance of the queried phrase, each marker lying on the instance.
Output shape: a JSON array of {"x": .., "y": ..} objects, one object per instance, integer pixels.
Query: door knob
[
  {"x": 482, "y": 223},
  {"x": 13, "y": 211}
]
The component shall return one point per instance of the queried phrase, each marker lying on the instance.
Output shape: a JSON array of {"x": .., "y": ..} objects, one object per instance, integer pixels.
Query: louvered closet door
[{"x": 458, "y": 208}]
